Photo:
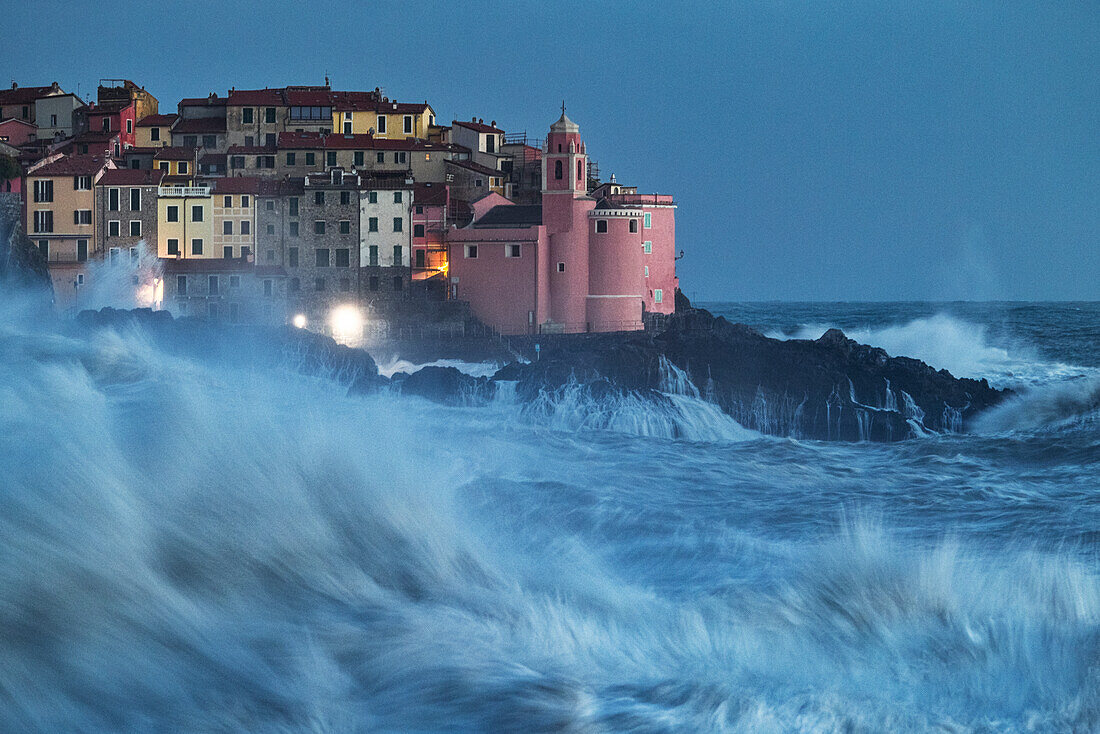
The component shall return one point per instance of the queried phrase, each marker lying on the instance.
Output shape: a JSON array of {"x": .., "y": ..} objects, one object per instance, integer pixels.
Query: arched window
[
  {"x": 557, "y": 169},
  {"x": 580, "y": 170}
]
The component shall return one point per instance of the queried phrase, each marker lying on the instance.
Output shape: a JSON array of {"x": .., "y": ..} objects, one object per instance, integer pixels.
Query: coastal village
[{"x": 344, "y": 212}]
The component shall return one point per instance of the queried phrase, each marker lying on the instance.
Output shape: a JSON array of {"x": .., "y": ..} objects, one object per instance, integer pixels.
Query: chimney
[
  {"x": 14, "y": 85},
  {"x": 493, "y": 123}
]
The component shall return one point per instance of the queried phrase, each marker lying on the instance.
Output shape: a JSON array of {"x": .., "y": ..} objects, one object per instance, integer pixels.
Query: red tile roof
[
  {"x": 478, "y": 126},
  {"x": 245, "y": 97},
  {"x": 200, "y": 125},
  {"x": 212, "y": 101},
  {"x": 430, "y": 194},
  {"x": 131, "y": 177},
  {"x": 250, "y": 150},
  {"x": 136, "y": 150},
  {"x": 157, "y": 120},
  {"x": 214, "y": 265},
  {"x": 23, "y": 95},
  {"x": 178, "y": 153},
  {"x": 209, "y": 158},
  {"x": 477, "y": 168},
  {"x": 73, "y": 165},
  {"x": 10, "y": 120}
]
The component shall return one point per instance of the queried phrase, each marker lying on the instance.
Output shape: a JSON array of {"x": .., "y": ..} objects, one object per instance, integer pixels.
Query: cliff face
[
  {"x": 21, "y": 263},
  {"x": 831, "y": 388}
]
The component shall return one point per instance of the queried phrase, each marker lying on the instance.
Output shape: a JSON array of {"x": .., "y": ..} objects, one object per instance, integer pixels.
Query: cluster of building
[{"x": 292, "y": 204}]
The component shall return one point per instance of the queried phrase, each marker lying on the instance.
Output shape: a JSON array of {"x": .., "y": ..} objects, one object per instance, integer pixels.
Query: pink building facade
[{"x": 581, "y": 261}]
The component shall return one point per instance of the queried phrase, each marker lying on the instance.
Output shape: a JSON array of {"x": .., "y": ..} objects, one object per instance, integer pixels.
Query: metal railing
[
  {"x": 183, "y": 191},
  {"x": 640, "y": 199}
]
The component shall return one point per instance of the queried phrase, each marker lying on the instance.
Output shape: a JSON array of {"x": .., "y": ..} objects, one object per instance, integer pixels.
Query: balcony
[{"x": 185, "y": 191}]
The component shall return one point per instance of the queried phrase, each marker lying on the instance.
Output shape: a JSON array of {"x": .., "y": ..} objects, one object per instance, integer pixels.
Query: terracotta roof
[
  {"x": 16, "y": 119},
  {"x": 250, "y": 150},
  {"x": 358, "y": 141},
  {"x": 239, "y": 185},
  {"x": 200, "y": 125},
  {"x": 157, "y": 120},
  {"x": 211, "y": 101},
  {"x": 136, "y": 150},
  {"x": 176, "y": 181},
  {"x": 511, "y": 215},
  {"x": 430, "y": 194},
  {"x": 308, "y": 96},
  {"x": 245, "y": 97},
  {"x": 209, "y": 158},
  {"x": 23, "y": 95},
  {"x": 73, "y": 165},
  {"x": 478, "y": 126},
  {"x": 385, "y": 180},
  {"x": 177, "y": 153},
  {"x": 215, "y": 265},
  {"x": 131, "y": 177},
  {"x": 477, "y": 168}
]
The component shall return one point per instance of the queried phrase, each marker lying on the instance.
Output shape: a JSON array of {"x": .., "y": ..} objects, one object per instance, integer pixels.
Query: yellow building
[
  {"x": 177, "y": 161},
  {"x": 60, "y": 217},
  {"x": 358, "y": 113},
  {"x": 234, "y": 207},
  {"x": 185, "y": 222},
  {"x": 152, "y": 131}
]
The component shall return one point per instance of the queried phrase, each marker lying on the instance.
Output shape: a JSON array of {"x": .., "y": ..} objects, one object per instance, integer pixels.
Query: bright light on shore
[
  {"x": 347, "y": 322},
  {"x": 299, "y": 321}
]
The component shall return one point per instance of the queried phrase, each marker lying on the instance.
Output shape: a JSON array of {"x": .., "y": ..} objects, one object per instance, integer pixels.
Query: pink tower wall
[
  {"x": 662, "y": 261},
  {"x": 615, "y": 276}
]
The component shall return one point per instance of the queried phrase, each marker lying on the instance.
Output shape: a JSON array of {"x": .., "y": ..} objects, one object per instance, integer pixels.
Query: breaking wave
[
  {"x": 963, "y": 348},
  {"x": 1068, "y": 404}
]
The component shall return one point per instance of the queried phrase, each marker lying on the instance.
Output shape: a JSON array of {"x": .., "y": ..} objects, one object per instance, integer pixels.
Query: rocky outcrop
[
  {"x": 445, "y": 385},
  {"x": 831, "y": 388},
  {"x": 21, "y": 263}
]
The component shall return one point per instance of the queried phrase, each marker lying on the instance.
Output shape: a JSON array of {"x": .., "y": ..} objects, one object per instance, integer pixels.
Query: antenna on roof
[
  {"x": 326, "y": 79},
  {"x": 563, "y": 106}
]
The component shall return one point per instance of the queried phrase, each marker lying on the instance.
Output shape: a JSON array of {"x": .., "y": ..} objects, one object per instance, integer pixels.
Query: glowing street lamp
[
  {"x": 299, "y": 321},
  {"x": 346, "y": 322}
]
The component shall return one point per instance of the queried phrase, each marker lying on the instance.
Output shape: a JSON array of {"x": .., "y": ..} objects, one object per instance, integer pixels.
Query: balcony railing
[
  {"x": 183, "y": 191},
  {"x": 641, "y": 199}
]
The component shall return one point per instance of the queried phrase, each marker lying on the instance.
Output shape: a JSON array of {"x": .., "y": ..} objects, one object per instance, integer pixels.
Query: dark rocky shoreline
[{"x": 831, "y": 388}]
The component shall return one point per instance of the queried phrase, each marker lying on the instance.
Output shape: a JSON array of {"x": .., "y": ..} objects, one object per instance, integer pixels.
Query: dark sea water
[{"x": 187, "y": 547}]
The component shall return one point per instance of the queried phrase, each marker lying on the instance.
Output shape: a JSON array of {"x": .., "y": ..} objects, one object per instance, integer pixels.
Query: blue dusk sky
[{"x": 817, "y": 150}]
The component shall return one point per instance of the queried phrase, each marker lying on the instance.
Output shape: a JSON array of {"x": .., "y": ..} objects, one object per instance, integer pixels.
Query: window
[
  {"x": 396, "y": 197},
  {"x": 311, "y": 159},
  {"x": 343, "y": 257},
  {"x": 647, "y": 271},
  {"x": 294, "y": 285},
  {"x": 471, "y": 252},
  {"x": 227, "y": 227},
  {"x": 114, "y": 228},
  {"x": 82, "y": 216},
  {"x": 269, "y": 205},
  {"x": 196, "y": 214},
  {"x": 647, "y": 247},
  {"x": 173, "y": 247},
  {"x": 43, "y": 221},
  {"x": 236, "y": 161},
  {"x": 490, "y": 143},
  {"x": 633, "y": 225},
  {"x": 372, "y": 224},
  {"x": 227, "y": 253},
  {"x": 381, "y": 128},
  {"x": 408, "y": 124},
  {"x": 212, "y": 311},
  {"x": 80, "y": 278},
  {"x": 345, "y": 197},
  {"x": 358, "y": 158},
  {"x": 196, "y": 246},
  {"x": 44, "y": 248},
  {"x": 372, "y": 283},
  {"x": 657, "y": 295},
  {"x": 330, "y": 158},
  {"x": 246, "y": 115},
  {"x": 106, "y": 124},
  {"x": 292, "y": 257},
  {"x": 420, "y": 259},
  {"x": 82, "y": 183},
  {"x": 372, "y": 255},
  {"x": 601, "y": 226},
  {"x": 319, "y": 284},
  {"x": 246, "y": 226},
  {"x": 265, "y": 161},
  {"x": 290, "y": 159},
  {"x": 418, "y": 230},
  {"x": 511, "y": 251},
  {"x": 210, "y": 141},
  {"x": 135, "y": 255},
  {"x": 380, "y": 157},
  {"x": 114, "y": 255},
  {"x": 322, "y": 257},
  {"x": 345, "y": 226},
  {"x": 397, "y": 224},
  {"x": 561, "y": 267},
  {"x": 372, "y": 197},
  {"x": 318, "y": 197},
  {"x": 399, "y": 157},
  {"x": 293, "y": 229},
  {"x": 268, "y": 287},
  {"x": 227, "y": 202},
  {"x": 112, "y": 200},
  {"x": 271, "y": 229},
  {"x": 557, "y": 170},
  {"x": 294, "y": 206},
  {"x": 135, "y": 228},
  {"x": 397, "y": 283},
  {"x": 245, "y": 201},
  {"x": 398, "y": 255},
  {"x": 81, "y": 250},
  {"x": 43, "y": 191},
  {"x": 212, "y": 281},
  {"x": 154, "y": 134},
  {"x": 580, "y": 170},
  {"x": 234, "y": 313},
  {"x": 648, "y": 220},
  {"x": 419, "y": 208},
  {"x": 135, "y": 200},
  {"x": 269, "y": 115},
  {"x": 319, "y": 227},
  {"x": 181, "y": 284},
  {"x": 270, "y": 255},
  {"x": 173, "y": 213}
]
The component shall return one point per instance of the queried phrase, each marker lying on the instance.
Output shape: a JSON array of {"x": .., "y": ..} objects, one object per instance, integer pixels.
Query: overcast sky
[{"x": 818, "y": 151}]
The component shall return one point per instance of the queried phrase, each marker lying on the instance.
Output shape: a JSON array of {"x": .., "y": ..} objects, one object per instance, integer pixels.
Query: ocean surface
[{"x": 189, "y": 547}]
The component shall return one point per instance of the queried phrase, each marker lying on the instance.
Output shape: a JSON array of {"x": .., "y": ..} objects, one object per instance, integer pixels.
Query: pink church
[{"x": 581, "y": 261}]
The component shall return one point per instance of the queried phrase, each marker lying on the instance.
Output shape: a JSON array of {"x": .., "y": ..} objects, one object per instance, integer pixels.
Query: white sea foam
[{"x": 391, "y": 367}]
